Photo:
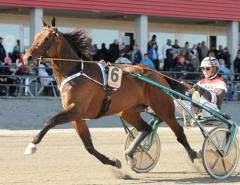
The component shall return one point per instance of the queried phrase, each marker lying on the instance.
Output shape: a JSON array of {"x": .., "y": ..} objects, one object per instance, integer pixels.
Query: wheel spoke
[
  {"x": 214, "y": 152},
  {"x": 218, "y": 142},
  {"x": 216, "y": 145},
  {"x": 148, "y": 155},
  {"x": 224, "y": 166},
  {"x": 141, "y": 157},
  {"x": 215, "y": 162}
]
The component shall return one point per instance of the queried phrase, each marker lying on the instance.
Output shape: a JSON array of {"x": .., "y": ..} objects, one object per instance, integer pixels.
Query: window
[
  {"x": 10, "y": 33},
  {"x": 100, "y": 36}
]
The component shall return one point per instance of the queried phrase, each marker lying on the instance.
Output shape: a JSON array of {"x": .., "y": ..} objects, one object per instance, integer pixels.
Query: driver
[{"x": 211, "y": 90}]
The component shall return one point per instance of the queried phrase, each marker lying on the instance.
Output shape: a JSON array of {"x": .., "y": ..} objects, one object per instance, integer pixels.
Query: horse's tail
[
  {"x": 177, "y": 86},
  {"x": 181, "y": 87}
]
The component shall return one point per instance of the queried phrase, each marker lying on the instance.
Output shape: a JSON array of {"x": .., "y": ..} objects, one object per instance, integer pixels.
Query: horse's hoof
[
  {"x": 195, "y": 155},
  {"x": 118, "y": 163},
  {"x": 199, "y": 154},
  {"x": 31, "y": 149},
  {"x": 131, "y": 161}
]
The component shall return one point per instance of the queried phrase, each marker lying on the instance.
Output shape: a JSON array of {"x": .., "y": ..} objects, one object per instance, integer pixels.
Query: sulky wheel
[
  {"x": 146, "y": 155},
  {"x": 217, "y": 165}
]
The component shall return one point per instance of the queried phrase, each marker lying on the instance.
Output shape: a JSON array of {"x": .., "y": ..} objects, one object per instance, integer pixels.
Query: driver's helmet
[{"x": 210, "y": 62}]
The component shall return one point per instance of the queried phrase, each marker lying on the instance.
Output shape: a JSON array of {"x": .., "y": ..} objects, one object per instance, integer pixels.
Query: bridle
[{"x": 46, "y": 46}]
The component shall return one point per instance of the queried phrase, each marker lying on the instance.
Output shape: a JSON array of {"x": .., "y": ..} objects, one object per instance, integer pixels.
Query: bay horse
[{"x": 82, "y": 97}]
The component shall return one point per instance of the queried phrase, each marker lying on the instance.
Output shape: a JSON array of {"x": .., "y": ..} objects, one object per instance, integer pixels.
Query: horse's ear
[
  {"x": 44, "y": 23},
  {"x": 53, "y": 22}
]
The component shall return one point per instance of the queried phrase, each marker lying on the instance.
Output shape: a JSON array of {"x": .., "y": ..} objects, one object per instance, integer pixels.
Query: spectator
[
  {"x": 8, "y": 59},
  {"x": 44, "y": 74},
  {"x": 181, "y": 54},
  {"x": 223, "y": 71},
  {"x": 122, "y": 46},
  {"x": 211, "y": 54},
  {"x": 21, "y": 68},
  {"x": 170, "y": 61},
  {"x": 16, "y": 51},
  {"x": 45, "y": 77},
  {"x": 2, "y": 51},
  {"x": 114, "y": 51},
  {"x": 204, "y": 50},
  {"x": 199, "y": 50},
  {"x": 103, "y": 53},
  {"x": 186, "y": 47},
  {"x": 176, "y": 47},
  {"x": 136, "y": 55},
  {"x": 94, "y": 52},
  {"x": 153, "y": 55},
  {"x": 147, "y": 61},
  {"x": 226, "y": 57},
  {"x": 213, "y": 50},
  {"x": 219, "y": 52},
  {"x": 164, "y": 54},
  {"x": 152, "y": 41},
  {"x": 237, "y": 66},
  {"x": 193, "y": 57},
  {"x": 5, "y": 79},
  {"x": 183, "y": 67},
  {"x": 123, "y": 59}
]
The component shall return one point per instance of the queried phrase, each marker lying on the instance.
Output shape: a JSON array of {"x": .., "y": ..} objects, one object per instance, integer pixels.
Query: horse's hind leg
[
  {"x": 133, "y": 117},
  {"x": 60, "y": 118},
  {"x": 168, "y": 116},
  {"x": 181, "y": 137},
  {"x": 83, "y": 132}
]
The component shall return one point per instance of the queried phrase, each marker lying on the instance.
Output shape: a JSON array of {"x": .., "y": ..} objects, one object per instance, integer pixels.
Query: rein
[
  {"x": 71, "y": 60},
  {"x": 103, "y": 62}
]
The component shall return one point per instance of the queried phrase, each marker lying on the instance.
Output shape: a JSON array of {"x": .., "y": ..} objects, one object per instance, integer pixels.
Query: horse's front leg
[
  {"x": 83, "y": 132},
  {"x": 60, "y": 118}
]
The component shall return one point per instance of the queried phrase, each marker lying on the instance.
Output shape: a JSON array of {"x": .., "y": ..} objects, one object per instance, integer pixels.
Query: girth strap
[{"x": 106, "y": 102}]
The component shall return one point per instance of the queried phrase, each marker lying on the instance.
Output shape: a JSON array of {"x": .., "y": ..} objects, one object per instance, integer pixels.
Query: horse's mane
[{"x": 80, "y": 42}]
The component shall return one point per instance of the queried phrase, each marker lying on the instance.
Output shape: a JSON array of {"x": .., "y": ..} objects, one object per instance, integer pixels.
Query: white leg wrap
[
  {"x": 131, "y": 162},
  {"x": 31, "y": 149}
]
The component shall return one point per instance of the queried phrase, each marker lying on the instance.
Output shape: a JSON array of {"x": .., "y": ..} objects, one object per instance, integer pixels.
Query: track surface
[{"x": 62, "y": 160}]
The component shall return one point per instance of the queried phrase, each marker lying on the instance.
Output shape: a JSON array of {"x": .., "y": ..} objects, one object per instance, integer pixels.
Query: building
[{"x": 213, "y": 21}]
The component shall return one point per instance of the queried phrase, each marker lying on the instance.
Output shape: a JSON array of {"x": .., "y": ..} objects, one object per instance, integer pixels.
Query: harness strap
[
  {"x": 106, "y": 102},
  {"x": 81, "y": 73}
]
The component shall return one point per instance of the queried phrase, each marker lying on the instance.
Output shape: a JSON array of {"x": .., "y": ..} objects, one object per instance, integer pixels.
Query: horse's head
[{"x": 44, "y": 44}]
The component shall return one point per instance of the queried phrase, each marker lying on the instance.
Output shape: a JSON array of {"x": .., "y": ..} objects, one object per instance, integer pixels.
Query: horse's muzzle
[{"x": 27, "y": 59}]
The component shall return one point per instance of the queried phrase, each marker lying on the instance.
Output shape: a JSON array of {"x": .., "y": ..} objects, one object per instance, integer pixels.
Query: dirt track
[{"x": 62, "y": 160}]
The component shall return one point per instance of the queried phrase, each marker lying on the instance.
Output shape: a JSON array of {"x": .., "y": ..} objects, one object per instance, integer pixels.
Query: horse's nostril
[{"x": 29, "y": 58}]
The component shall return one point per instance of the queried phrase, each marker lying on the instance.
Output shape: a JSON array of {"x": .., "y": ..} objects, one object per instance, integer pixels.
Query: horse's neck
[{"x": 63, "y": 69}]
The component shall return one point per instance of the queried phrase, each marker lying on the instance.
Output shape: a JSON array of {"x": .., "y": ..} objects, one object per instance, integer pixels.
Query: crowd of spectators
[
  {"x": 10, "y": 64},
  {"x": 183, "y": 61},
  {"x": 176, "y": 58}
]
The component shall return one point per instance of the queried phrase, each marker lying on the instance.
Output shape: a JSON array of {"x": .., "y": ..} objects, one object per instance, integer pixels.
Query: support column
[
  {"x": 21, "y": 37},
  {"x": 232, "y": 40},
  {"x": 141, "y": 30},
  {"x": 35, "y": 22}
]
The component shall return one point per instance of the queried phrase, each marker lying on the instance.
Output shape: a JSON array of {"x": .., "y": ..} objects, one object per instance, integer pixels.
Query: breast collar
[{"x": 81, "y": 73}]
